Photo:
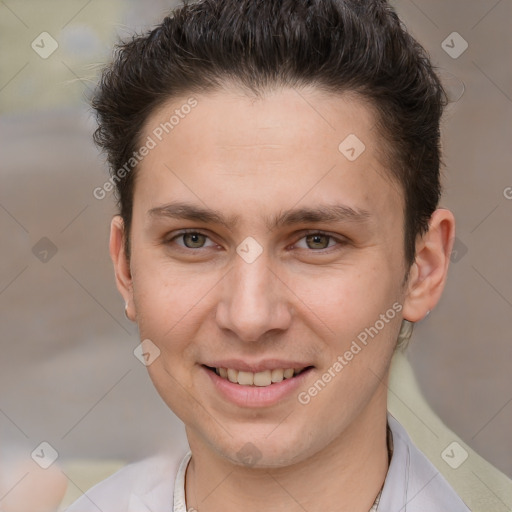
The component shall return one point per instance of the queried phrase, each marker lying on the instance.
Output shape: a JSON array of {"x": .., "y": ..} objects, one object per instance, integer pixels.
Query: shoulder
[
  {"x": 413, "y": 481},
  {"x": 141, "y": 486}
]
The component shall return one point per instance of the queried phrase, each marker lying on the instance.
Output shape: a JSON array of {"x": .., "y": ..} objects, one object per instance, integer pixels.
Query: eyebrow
[{"x": 322, "y": 213}]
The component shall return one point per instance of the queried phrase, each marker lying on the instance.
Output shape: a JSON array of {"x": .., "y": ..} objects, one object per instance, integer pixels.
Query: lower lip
[{"x": 256, "y": 396}]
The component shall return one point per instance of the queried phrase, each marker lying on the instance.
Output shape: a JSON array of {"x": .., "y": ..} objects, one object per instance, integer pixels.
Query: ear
[
  {"x": 428, "y": 273},
  {"x": 121, "y": 264}
]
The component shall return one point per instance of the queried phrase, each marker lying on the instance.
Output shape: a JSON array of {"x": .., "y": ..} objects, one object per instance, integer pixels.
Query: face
[{"x": 259, "y": 244}]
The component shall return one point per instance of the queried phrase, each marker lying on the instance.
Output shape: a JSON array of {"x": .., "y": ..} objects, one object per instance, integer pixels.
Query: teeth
[
  {"x": 288, "y": 373},
  {"x": 261, "y": 379},
  {"x": 232, "y": 375},
  {"x": 246, "y": 378},
  {"x": 277, "y": 375}
]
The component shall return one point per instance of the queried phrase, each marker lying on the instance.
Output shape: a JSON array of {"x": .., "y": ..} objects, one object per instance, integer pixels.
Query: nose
[{"x": 254, "y": 300}]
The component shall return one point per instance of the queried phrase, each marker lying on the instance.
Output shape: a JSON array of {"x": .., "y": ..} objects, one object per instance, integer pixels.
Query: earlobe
[
  {"x": 121, "y": 264},
  {"x": 429, "y": 271}
]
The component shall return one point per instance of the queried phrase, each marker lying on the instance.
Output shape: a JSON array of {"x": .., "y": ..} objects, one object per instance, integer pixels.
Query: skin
[{"x": 303, "y": 299}]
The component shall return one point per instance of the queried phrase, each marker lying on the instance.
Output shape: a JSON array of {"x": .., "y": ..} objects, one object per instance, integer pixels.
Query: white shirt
[{"x": 157, "y": 484}]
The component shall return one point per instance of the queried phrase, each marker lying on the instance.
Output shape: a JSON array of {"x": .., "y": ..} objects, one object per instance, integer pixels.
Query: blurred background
[{"x": 68, "y": 375}]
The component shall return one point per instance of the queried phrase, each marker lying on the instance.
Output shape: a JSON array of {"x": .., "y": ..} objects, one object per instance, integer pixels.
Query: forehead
[{"x": 241, "y": 153}]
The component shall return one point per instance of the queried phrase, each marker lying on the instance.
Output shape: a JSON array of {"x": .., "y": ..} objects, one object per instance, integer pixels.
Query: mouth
[
  {"x": 259, "y": 385},
  {"x": 261, "y": 379}
]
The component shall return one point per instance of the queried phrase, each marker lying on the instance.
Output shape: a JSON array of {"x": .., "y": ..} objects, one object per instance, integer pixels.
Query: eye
[
  {"x": 191, "y": 240},
  {"x": 318, "y": 241}
]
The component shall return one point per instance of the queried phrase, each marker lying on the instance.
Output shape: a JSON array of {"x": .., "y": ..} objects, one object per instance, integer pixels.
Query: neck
[{"x": 346, "y": 475}]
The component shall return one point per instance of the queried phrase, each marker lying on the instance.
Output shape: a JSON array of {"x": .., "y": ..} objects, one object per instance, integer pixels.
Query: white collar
[
  {"x": 180, "y": 505},
  {"x": 179, "y": 485},
  {"x": 412, "y": 482}
]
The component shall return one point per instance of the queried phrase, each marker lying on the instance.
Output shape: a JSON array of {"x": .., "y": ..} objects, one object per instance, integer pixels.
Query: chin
[{"x": 263, "y": 450}]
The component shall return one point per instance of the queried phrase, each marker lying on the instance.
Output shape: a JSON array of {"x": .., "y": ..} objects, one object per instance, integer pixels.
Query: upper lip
[{"x": 258, "y": 366}]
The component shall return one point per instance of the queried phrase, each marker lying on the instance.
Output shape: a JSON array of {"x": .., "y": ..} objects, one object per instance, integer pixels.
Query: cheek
[
  {"x": 167, "y": 297},
  {"x": 172, "y": 305},
  {"x": 348, "y": 300},
  {"x": 167, "y": 314}
]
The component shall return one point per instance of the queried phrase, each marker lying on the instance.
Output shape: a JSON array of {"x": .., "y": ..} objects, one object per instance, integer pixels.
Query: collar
[
  {"x": 412, "y": 483},
  {"x": 179, "y": 503}
]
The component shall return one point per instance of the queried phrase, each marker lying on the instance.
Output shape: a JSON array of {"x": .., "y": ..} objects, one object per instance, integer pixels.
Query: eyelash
[{"x": 340, "y": 242}]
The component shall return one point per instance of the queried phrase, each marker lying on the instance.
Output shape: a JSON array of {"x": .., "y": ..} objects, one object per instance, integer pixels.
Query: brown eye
[
  {"x": 190, "y": 239},
  {"x": 317, "y": 241},
  {"x": 194, "y": 240}
]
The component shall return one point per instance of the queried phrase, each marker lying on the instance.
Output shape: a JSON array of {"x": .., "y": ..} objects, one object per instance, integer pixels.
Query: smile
[{"x": 261, "y": 379}]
